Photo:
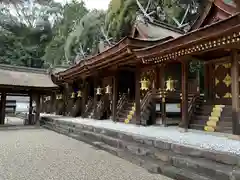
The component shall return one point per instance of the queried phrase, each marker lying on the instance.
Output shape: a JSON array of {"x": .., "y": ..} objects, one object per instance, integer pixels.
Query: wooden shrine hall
[
  {"x": 22, "y": 81},
  {"x": 146, "y": 81}
]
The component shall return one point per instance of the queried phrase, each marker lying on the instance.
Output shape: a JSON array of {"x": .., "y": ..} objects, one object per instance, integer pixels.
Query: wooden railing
[
  {"x": 121, "y": 103},
  {"x": 98, "y": 111},
  {"x": 146, "y": 100},
  {"x": 76, "y": 108},
  {"x": 192, "y": 105},
  {"x": 88, "y": 107},
  {"x": 60, "y": 107}
]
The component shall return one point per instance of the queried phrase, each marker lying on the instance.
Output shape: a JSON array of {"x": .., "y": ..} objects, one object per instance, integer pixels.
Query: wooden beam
[
  {"x": 235, "y": 93},
  {"x": 137, "y": 95},
  {"x": 185, "y": 121}
]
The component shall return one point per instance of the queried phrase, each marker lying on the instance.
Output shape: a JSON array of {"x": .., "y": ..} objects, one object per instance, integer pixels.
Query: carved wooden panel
[{"x": 222, "y": 81}]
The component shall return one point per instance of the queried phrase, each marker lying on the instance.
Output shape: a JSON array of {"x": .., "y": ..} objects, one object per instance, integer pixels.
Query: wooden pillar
[
  {"x": 184, "y": 123},
  {"x": 137, "y": 95},
  {"x": 206, "y": 81},
  {"x": 162, "y": 87},
  {"x": 30, "y": 116},
  {"x": 157, "y": 78},
  {"x": 38, "y": 109},
  {"x": 235, "y": 93},
  {"x": 3, "y": 108},
  {"x": 84, "y": 96},
  {"x": 65, "y": 98},
  {"x": 211, "y": 91},
  {"x": 95, "y": 96},
  {"x": 115, "y": 98},
  {"x": 53, "y": 99}
]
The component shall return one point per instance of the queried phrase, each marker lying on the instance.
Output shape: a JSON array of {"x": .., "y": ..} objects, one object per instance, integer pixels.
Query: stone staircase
[
  {"x": 213, "y": 118},
  {"x": 173, "y": 160}
]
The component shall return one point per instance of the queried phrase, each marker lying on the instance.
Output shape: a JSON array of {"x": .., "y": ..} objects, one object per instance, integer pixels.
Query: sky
[
  {"x": 97, "y": 4},
  {"x": 92, "y": 4}
]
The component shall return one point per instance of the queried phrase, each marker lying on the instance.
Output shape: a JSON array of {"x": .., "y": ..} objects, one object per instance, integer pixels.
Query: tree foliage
[
  {"x": 51, "y": 34},
  {"x": 72, "y": 14},
  {"x": 85, "y": 36},
  {"x": 24, "y": 32}
]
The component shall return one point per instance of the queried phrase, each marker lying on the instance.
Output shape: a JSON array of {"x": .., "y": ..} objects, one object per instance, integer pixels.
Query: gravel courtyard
[{"x": 39, "y": 154}]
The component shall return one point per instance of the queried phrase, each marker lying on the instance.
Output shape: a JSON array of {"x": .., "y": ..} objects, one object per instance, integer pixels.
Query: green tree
[
  {"x": 85, "y": 36},
  {"x": 72, "y": 13},
  {"x": 25, "y": 30}
]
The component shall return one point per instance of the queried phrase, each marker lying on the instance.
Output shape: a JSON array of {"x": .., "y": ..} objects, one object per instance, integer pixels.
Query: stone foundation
[{"x": 172, "y": 160}]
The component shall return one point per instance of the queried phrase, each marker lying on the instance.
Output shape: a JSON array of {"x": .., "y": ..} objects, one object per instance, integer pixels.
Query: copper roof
[
  {"x": 24, "y": 77},
  {"x": 155, "y": 30},
  {"x": 213, "y": 36}
]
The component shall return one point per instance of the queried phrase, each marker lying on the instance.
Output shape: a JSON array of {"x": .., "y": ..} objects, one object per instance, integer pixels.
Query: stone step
[
  {"x": 203, "y": 167},
  {"x": 138, "y": 156},
  {"x": 182, "y": 174},
  {"x": 153, "y": 166},
  {"x": 123, "y": 113},
  {"x": 196, "y": 126},
  {"x": 222, "y": 122},
  {"x": 141, "y": 141},
  {"x": 202, "y": 112}
]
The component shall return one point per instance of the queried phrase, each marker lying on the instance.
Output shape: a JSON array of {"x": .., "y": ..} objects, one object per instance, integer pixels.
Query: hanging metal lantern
[
  {"x": 170, "y": 84},
  {"x": 108, "y": 90},
  {"x": 79, "y": 93},
  {"x": 99, "y": 91},
  {"x": 144, "y": 84},
  {"x": 73, "y": 95},
  {"x": 60, "y": 96},
  {"x": 48, "y": 98}
]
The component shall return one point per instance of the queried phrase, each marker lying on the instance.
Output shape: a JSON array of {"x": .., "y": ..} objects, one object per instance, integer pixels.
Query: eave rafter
[{"x": 121, "y": 53}]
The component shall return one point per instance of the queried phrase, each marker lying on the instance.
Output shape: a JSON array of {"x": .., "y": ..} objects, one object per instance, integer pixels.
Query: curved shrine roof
[
  {"x": 120, "y": 53},
  {"x": 24, "y": 77},
  {"x": 215, "y": 36}
]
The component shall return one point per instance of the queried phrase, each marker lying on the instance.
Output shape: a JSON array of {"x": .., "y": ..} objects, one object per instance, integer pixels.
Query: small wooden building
[
  {"x": 146, "y": 80},
  {"x": 21, "y": 81}
]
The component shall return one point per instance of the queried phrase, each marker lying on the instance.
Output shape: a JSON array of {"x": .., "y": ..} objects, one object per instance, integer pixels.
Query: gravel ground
[
  {"x": 45, "y": 155},
  {"x": 197, "y": 139}
]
